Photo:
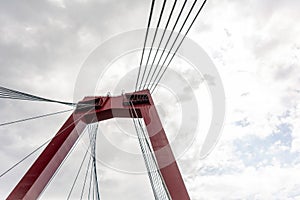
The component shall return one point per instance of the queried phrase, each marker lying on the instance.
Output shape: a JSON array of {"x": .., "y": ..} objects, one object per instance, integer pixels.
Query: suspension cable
[
  {"x": 36, "y": 117},
  {"x": 175, "y": 40},
  {"x": 162, "y": 186},
  {"x": 179, "y": 45},
  {"x": 6, "y": 93},
  {"x": 153, "y": 164},
  {"x": 23, "y": 159},
  {"x": 145, "y": 159},
  {"x": 169, "y": 38},
  {"x": 90, "y": 182},
  {"x": 79, "y": 170},
  {"x": 145, "y": 41},
  {"x": 47, "y": 141},
  {"x": 150, "y": 161},
  {"x": 154, "y": 37},
  {"x": 145, "y": 154},
  {"x": 160, "y": 42},
  {"x": 96, "y": 185},
  {"x": 63, "y": 162},
  {"x": 85, "y": 178}
]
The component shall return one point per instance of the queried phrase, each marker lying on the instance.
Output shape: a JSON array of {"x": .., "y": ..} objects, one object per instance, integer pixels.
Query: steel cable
[
  {"x": 35, "y": 150},
  {"x": 175, "y": 40},
  {"x": 160, "y": 42},
  {"x": 154, "y": 37},
  {"x": 35, "y": 117},
  {"x": 150, "y": 161},
  {"x": 160, "y": 77},
  {"x": 6, "y": 93},
  {"x": 79, "y": 170},
  {"x": 145, "y": 41},
  {"x": 63, "y": 162},
  {"x": 144, "y": 156},
  {"x": 169, "y": 38},
  {"x": 85, "y": 178},
  {"x": 93, "y": 138}
]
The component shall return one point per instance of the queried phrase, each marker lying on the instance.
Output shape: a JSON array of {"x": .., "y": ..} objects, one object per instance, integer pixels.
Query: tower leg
[
  {"x": 42, "y": 170},
  {"x": 164, "y": 155}
]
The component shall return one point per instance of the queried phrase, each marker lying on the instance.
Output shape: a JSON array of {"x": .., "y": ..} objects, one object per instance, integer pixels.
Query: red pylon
[{"x": 93, "y": 109}]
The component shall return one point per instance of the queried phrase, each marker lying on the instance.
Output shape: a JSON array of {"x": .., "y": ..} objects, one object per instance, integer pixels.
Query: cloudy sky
[{"x": 255, "y": 46}]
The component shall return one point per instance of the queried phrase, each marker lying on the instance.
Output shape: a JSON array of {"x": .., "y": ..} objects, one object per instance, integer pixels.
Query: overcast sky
[{"x": 255, "y": 46}]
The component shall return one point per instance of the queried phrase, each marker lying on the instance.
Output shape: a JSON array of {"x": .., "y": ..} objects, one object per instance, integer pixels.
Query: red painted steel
[{"x": 37, "y": 177}]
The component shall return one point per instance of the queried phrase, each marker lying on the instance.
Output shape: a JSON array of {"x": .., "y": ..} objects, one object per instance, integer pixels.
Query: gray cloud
[{"x": 44, "y": 43}]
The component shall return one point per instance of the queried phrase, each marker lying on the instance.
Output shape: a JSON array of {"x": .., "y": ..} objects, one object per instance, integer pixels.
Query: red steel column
[
  {"x": 164, "y": 155},
  {"x": 39, "y": 174}
]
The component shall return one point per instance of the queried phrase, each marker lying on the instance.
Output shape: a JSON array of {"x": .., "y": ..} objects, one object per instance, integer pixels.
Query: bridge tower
[{"x": 96, "y": 109}]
